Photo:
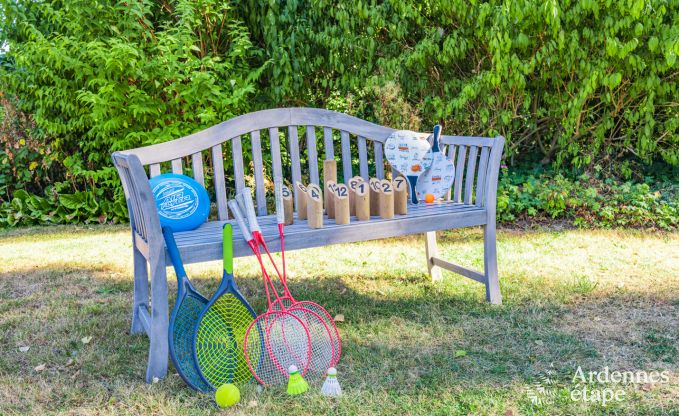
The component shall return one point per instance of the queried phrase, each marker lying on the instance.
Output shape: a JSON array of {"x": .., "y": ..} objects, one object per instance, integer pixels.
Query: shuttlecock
[
  {"x": 331, "y": 386},
  {"x": 296, "y": 383}
]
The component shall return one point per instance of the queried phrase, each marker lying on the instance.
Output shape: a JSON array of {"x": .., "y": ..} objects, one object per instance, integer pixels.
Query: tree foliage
[{"x": 574, "y": 84}]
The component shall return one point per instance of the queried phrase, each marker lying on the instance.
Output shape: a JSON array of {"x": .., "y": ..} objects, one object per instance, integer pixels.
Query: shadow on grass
[{"x": 419, "y": 335}]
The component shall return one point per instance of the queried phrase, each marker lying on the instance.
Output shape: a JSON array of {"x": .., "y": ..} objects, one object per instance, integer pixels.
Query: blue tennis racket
[{"x": 183, "y": 320}]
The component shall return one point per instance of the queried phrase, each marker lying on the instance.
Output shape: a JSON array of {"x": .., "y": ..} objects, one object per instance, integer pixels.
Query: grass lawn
[{"x": 592, "y": 299}]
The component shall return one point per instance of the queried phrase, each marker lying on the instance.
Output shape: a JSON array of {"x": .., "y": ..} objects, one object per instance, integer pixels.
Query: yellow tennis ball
[{"x": 227, "y": 395}]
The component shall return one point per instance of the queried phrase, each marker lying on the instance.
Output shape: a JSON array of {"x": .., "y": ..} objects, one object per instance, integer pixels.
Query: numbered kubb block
[
  {"x": 362, "y": 201},
  {"x": 352, "y": 193},
  {"x": 341, "y": 199},
  {"x": 329, "y": 175},
  {"x": 314, "y": 206},
  {"x": 400, "y": 195},
  {"x": 374, "y": 196},
  {"x": 331, "y": 186},
  {"x": 301, "y": 200},
  {"x": 386, "y": 199},
  {"x": 288, "y": 205}
]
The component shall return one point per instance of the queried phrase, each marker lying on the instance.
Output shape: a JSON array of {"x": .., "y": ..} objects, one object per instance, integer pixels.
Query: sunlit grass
[{"x": 571, "y": 298}]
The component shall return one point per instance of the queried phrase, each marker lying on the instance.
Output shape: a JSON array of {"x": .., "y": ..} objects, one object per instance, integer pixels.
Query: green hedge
[{"x": 576, "y": 85}]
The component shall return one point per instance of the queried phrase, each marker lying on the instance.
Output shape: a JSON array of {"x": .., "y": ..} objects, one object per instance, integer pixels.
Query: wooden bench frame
[{"x": 472, "y": 201}]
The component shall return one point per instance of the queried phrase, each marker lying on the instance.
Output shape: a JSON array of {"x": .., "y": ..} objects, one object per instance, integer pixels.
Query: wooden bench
[{"x": 273, "y": 139}]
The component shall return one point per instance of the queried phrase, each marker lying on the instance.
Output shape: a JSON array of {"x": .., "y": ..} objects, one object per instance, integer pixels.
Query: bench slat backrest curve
[{"x": 284, "y": 142}]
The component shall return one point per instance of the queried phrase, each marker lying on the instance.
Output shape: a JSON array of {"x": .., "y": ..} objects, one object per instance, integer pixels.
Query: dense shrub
[
  {"x": 587, "y": 201},
  {"x": 575, "y": 85}
]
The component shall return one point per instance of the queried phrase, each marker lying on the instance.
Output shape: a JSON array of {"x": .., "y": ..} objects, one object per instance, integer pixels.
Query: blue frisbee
[{"x": 183, "y": 203}]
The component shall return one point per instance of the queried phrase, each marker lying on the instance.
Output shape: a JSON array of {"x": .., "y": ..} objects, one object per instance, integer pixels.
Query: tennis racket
[
  {"x": 220, "y": 333},
  {"x": 408, "y": 153},
  {"x": 185, "y": 314},
  {"x": 438, "y": 179}
]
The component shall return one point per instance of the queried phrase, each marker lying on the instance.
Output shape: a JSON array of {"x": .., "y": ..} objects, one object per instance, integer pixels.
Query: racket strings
[
  {"x": 219, "y": 337},
  {"x": 182, "y": 332},
  {"x": 274, "y": 342}
]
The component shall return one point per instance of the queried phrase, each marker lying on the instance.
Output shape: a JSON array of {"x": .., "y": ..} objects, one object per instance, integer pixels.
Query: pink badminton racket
[
  {"x": 323, "y": 344},
  {"x": 276, "y": 339}
]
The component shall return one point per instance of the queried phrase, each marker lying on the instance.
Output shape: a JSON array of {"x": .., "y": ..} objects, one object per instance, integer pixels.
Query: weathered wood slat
[
  {"x": 312, "y": 154},
  {"x": 304, "y": 237},
  {"x": 363, "y": 157},
  {"x": 197, "y": 167},
  {"x": 274, "y": 140},
  {"x": 293, "y": 143},
  {"x": 464, "y": 271},
  {"x": 467, "y": 140},
  {"x": 459, "y": 171},
  {"x": 220, "y": 185},
  {"x": 481, "y": 178},
  {"x": 260, "y": 192},
  {"x": 379, "y": 160},
  {"x": 177, "y": 166},
  {"x": 346, "y": 155},
  {"x": 471, "y": 173},
  {"x": 211, "y": 230},
  {"x": 237, "y": 154},
  {"x": 154, "y": 169},
  {"x": 328, "y": 143}
]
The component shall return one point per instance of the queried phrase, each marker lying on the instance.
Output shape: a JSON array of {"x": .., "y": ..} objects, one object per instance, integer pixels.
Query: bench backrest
[{"x": 293, "y": 142}]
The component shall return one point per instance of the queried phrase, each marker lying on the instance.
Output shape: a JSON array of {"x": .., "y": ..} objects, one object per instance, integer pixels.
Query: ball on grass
[
  {"x": 429, "y": 198},
  {"x": 227, "y": 395}
]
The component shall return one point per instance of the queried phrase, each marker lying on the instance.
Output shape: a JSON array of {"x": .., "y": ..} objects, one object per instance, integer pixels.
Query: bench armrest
[{"x": 141, "y": 206}]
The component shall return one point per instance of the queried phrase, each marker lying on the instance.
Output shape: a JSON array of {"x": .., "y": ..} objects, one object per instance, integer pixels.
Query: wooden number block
[
  {"x": 341, "y": 199},
  {"x": 374, "y": 196},
  {"x": 362, "y": 201},
  {"x": 386, "y": 199},
  {"x": 288, "y": 203},
  {"x": 330, "y": 187},
  {"x": 301, "y": 202},
  {"x": 400, "y": 195},
  {"x": 329, "y": 175},
  {"x": 314, "y": 206},
  {"x": 352, "y": 193}
]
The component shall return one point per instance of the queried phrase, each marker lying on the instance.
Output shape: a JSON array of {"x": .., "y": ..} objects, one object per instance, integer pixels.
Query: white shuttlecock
[{"x": 331, "y": 386}]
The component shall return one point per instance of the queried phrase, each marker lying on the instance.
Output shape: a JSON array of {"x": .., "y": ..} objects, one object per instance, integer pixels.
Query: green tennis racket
[{"x": 220, "y": 334}]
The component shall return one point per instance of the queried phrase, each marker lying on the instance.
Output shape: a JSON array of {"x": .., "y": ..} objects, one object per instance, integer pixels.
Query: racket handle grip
[
  {"x": 437, "y": 137},
  {"x": 278, "y": 191},
  {"x": 250, "y": 210},
  {"x": 174, "y": 252},
  {"x": 238, "y": 215}
]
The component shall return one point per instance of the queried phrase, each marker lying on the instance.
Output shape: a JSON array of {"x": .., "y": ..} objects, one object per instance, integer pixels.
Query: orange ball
[{"x": 429, "y": 198}]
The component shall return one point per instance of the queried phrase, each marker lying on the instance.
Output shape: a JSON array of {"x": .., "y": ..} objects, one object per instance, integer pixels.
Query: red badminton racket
[
  {"x": 287, "y": 300},
  {"x": 276, "y": 339},
  {"x": 321, "y": 334}
]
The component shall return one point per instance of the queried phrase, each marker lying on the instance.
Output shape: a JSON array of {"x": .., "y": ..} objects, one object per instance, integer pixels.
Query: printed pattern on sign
[
  {"x": 438, "y": 179},
  {"x": 175, "y": 200},
  {"x": 408, "y": 152}
]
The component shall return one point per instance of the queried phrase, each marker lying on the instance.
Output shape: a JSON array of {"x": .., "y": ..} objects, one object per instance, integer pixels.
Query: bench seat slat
[
  {"x": 299, "y": 236},
  {"x": 211, "y": 230}
]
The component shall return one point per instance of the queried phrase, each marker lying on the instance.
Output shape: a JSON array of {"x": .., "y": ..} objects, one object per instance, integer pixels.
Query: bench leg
[
  {"x": 490, "y": 265},
  {"x": 141, "y": 289},
  {"x": 432, "y": 251},
  {"x": 158, "y": 350}
]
